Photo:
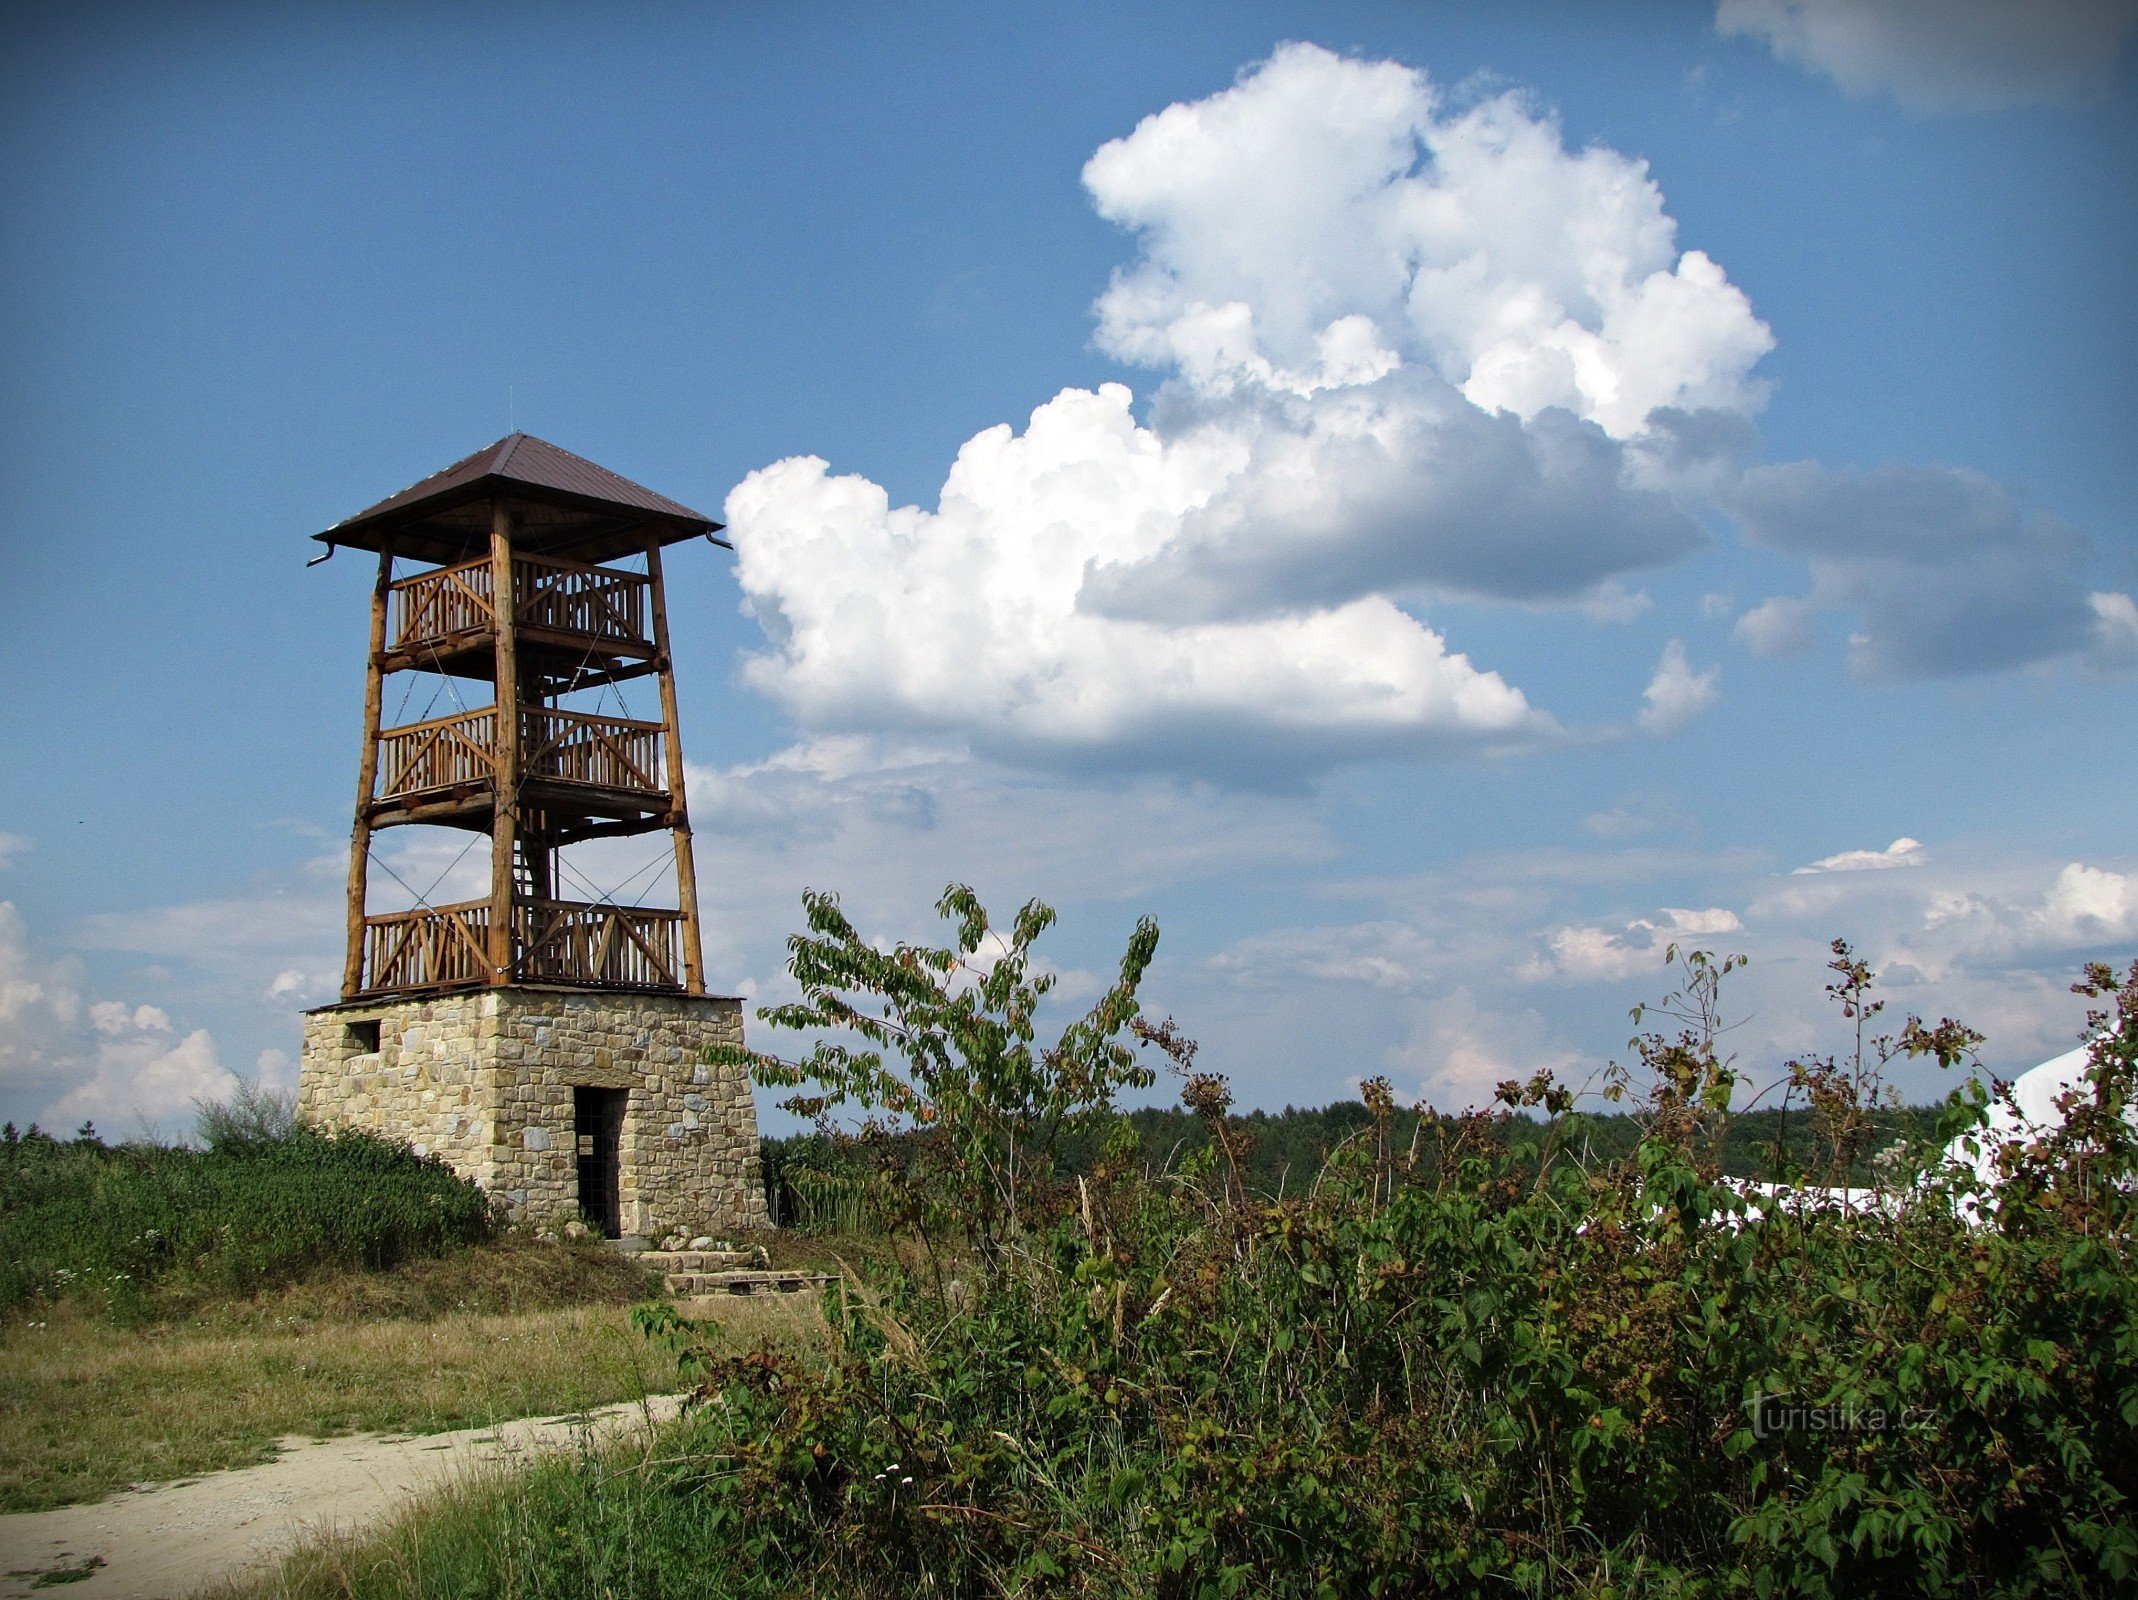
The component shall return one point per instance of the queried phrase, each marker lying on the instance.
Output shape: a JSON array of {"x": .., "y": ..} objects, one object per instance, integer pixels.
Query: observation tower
[{"x": 546, "y": 1038}]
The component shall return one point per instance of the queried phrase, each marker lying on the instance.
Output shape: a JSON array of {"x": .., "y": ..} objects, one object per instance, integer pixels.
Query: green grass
[
  {"x": 618, "y": 1522},
  {"x": 489, "y": 1333},
  {"x": 622, "y": 1520},
  {"x": 1425, "y": 1377}
]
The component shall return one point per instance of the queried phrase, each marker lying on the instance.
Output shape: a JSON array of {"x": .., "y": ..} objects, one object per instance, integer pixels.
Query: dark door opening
[{"x": 598, "y": 1129}]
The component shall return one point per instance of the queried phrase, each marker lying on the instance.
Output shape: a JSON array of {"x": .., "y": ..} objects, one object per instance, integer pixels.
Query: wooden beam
[
  {"x": 505, "y": 747},
  {"x": 367, "y": 768},
  {"x": 678, "y": 807},
  {"x": 623, "y": 828}
]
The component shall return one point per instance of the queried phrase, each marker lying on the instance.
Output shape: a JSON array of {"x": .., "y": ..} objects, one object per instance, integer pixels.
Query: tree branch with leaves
[{"x": 948, "y": 1042}]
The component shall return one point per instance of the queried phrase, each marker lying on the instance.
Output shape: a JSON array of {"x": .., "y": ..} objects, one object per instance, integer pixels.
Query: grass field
[{"x": 481, "y": 1335}]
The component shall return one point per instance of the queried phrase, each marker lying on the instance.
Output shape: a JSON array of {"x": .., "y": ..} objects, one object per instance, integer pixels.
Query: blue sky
[{"x": 1507, "y": 491}]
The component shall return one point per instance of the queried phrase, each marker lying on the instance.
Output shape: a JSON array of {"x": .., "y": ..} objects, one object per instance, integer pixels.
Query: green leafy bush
[
  {"x": 1457, "y": 1362},
  {"x": 950, "y": 1043},
  {"x": 135, "y": 1225}
]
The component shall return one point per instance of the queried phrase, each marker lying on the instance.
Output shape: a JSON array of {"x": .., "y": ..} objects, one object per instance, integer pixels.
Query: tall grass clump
[{"x": 134, "y": 1227}]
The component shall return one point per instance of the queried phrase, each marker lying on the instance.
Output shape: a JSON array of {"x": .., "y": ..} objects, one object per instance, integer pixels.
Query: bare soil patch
[
  {"x": 165, "y": 1542},
  {"x": 89, "y": 1409}
]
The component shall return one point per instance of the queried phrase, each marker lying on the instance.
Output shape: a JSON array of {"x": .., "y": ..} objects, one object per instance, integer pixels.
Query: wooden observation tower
[
  {"x": 550, "y": 1046},
  {"x": 514, "y": 588}
]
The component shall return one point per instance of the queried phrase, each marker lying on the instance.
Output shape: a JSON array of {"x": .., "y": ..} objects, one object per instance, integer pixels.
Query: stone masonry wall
[{"x": 484, "y": 1081}]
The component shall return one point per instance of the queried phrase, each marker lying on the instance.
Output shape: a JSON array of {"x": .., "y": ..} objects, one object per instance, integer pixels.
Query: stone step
[
  {"x": 699, "y": 1260},
  {"x": 713, "y": 1285}
]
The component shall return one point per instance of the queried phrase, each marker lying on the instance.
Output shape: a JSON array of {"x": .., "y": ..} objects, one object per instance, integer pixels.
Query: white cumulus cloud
[
  {"x": 2114, "y": 646},
  {"x": 2087, "y": 905},
  {"x": 1900, "y": 853},
  {"x": 1677, "y": 694},
  {"x": 1327, "y": 221},
  {"x": 1411, "y": 348},
  {"x": 965, "y": 619},
  {"x": 1777, "y": 626},
  {"x": 144, "y": 1083},
  {"x": 1465, "y": 1048},
  {"x": 1973, "y": 916},
  {"x": 1610, "y": 955},
  {"x": 1935, "y": 55},
  {"x": 66, "y": 1058}
]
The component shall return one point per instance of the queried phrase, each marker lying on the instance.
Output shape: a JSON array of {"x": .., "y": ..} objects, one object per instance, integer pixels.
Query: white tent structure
[{"x": 2033, "y": 1111}]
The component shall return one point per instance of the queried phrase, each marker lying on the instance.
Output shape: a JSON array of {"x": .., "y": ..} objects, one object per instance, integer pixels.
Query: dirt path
[{"x": 162, "y": 1543}]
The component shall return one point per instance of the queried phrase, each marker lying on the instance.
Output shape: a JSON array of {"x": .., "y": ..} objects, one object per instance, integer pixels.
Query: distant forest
[{"x": 1280, "y": 1151}]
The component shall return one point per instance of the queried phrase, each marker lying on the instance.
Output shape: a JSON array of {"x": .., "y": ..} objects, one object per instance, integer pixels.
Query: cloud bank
[
  {"x": 1492, "y": 967},
  {"x": 1945, "y": 572},
  {"x": 1944, "y": 55},
  {"x": 1411, "y": 349}
]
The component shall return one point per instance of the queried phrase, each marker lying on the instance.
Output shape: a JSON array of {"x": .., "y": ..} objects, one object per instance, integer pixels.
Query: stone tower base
[{"x": 484, "y": 1081}]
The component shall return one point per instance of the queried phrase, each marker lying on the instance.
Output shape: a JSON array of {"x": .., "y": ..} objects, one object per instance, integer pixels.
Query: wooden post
[
  {"x": 678, "y": 806},
  {"x": 505, "y": 746},
  {"x": 367, "y": 768}
]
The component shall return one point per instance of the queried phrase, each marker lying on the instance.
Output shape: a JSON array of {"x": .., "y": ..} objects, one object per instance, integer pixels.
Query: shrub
[
  {"x": 136, "y": 1225},
  {"x": 950, "y": 1046},
  {"x": 254, "y": 1114}
]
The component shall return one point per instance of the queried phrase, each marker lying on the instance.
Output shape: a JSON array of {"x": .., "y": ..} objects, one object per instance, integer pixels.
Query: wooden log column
[
  {"x": 505, "y": 747},
  {"x": 678, "y": 805},
  {"x": 367, "y": 776}
]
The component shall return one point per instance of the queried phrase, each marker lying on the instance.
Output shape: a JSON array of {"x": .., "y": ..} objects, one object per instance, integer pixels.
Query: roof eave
[{"x": 367, "y": 531}]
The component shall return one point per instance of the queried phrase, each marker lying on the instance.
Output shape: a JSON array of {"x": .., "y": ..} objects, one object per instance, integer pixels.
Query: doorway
[{"x": 598, "y": 1133}]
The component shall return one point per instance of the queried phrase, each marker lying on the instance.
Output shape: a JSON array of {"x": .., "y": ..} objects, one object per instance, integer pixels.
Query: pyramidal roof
[{"x": 563, "y": 505}]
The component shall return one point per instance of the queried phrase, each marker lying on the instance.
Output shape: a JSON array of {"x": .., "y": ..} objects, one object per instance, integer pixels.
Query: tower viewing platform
[{"x": 520, "y": 592}]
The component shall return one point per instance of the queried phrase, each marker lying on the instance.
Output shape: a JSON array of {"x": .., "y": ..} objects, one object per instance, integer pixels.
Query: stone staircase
[{"x": 708, "y": 1274}]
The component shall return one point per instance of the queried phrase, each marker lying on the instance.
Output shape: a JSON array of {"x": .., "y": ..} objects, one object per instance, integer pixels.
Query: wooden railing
[
  {"x": 432, "y": 947},
  {"x": 560, "y": 746},
  {"x": 441, "y": 603},
  {"x": 568, "y": 597},
  {"x": 438, "y": 754},
  {"x": 561, "y": 941},
  {"x": 579, "y": 747},
  {"x": 554, "y": 941},
  {"x": 601, "y": 604}
]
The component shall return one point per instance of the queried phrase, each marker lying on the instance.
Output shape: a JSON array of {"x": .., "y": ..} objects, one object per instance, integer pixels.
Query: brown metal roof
[{"x": 563, "y": 505}]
